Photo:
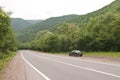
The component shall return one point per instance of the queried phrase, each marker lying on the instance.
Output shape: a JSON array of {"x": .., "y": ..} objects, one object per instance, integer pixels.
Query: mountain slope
[
  {"x": 29, "y": 33},
  {"x": 34, "y": 21},
  {"x": 19, "y": 24},
  {"x": 109, "y": 9}
]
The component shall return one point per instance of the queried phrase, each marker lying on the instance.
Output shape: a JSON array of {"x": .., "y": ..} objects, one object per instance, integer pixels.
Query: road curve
[{"x": 41, "y": 66}]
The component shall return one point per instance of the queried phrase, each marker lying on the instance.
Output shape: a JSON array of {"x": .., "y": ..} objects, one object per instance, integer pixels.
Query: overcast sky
[{"x": 43, "y": 9}]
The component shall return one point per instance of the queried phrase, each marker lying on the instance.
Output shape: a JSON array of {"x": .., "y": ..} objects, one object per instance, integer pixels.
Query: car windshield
[{"x": 76, "y": 51}]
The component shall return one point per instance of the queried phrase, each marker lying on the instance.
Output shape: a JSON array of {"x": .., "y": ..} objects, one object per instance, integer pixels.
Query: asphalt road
[{"x": 41, "y": 66}]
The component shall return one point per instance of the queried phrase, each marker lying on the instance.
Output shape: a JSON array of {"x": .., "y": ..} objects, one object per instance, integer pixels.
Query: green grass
[
  {"x": 96, "y": 54},
  {"x": 103, "y": 54},
  {"x": 4, "y": 60},
  {"x": 93, "y": 54}
]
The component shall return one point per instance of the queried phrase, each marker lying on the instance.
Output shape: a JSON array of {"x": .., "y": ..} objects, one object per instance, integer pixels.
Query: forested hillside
[
  {"x": 7, "y": 37},
  {"x": 19, "y": 24},
  {"x": 100, "y": 29},
  {"x": 29, "y": 33},
  {"x": 96, "y": 31},
  {"x": 109, "y": 9},
  {"x": 34, "y": 21}
]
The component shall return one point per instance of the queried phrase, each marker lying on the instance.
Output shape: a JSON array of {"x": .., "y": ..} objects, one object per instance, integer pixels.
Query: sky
[{"x": 43, "y": 9}]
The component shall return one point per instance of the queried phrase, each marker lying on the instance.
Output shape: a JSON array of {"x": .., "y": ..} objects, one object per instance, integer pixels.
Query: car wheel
[{"x": 81, "y": 55}]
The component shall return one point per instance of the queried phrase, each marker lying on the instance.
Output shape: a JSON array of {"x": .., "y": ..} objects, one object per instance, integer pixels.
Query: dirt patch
[{"x": 15, "y": 69}]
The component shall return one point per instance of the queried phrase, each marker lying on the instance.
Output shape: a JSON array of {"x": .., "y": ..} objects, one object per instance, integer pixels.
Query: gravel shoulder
[{"x": 15, "y": 70}]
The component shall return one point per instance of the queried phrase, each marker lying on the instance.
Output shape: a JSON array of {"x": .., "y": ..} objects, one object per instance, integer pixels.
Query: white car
[{"x": 75, "y": 53}]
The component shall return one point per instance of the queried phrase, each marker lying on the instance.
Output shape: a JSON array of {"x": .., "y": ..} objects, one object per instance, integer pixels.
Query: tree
[{"x": 7, "y": 38}]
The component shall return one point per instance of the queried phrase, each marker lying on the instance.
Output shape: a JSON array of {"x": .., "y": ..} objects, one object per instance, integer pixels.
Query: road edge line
[
  {"x": 34, "y": 67},
  {"x": 101, "y": 62},
  {"x": 85, "y": 68}
]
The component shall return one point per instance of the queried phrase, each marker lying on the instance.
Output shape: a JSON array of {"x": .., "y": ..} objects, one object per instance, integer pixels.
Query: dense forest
[
  {"x": 95, "y": 31},
  {"x": 7, "y": 38},
  {"x": 18, "y": 24}
]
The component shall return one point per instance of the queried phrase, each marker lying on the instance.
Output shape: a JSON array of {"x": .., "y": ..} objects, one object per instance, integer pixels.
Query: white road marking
[
  {"x": 89, "y": 61},
  {"x": 85, "y": 68},
  {"x": 46, "y": 78},
  {"x": 84, "y": 60}
]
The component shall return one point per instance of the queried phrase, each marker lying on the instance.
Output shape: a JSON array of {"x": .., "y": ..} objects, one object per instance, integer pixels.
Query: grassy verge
[
  {"x": 96, "y": 54},
  {"x": 4, "y": 60},
  {"x": 103, "y": 54},
  {"x": 93, "y": 54}
]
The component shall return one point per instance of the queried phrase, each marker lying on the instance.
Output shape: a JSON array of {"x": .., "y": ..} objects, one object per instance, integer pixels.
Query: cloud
[{"x": 42, "y": 9}]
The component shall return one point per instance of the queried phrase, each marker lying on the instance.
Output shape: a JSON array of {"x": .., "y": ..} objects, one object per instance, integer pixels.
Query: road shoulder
[
  {"x": 102, "y": 59},
  {"x": 15, "y": 69}
]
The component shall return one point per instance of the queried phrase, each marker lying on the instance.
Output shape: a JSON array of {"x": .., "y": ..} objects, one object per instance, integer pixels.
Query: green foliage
[
  {"x": 41, "y": 41},
  {"x": 7, "y": 38},
  {"x": 68, "y": 34},
  {"x": 103, "y": 54},
  {"x": 65, "y": 38}
]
